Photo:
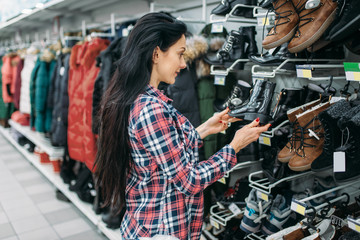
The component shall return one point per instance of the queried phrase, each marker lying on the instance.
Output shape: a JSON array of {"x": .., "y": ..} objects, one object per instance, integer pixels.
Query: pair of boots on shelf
[
  {"x": 234, "y": 48},
  {"x": 300, "y": 22},
  {"x": 226, "y": 6},
  {"x": 317, "y": 132}
]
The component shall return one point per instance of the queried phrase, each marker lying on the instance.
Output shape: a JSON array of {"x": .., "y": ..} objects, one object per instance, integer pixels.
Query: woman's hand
[
  {"x": 217, "y": 123},
  {"x": 248, "y": 134}
]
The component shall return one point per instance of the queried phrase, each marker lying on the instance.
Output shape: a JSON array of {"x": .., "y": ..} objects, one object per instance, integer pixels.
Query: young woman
[{"x": 148, "y": 152}]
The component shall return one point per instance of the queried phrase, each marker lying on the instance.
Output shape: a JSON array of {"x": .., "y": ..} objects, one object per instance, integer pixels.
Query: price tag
[
  {"x": 219, "y": 80},
  {"x": 235, "y": 209},
  {"x": 353, "y": 224},
  {"x": 217, "y": 28},
  {"x": 265, "y": 140},
  {"x": 303, "y": 71},
  {"x": 214, "y": 224},
  {"x": 352, "y": 71},
  {"x": 263, "y": 21},
  {"x": 339, "y": 162},
  {"x": 62, "y": 71},
  {"x": 262, "y": 196},
  {"x": 298, "y": 207},
  {"x": 222, "y": 180}
]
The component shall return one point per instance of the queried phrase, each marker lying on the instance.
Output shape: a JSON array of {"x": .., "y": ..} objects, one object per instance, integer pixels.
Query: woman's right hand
[{"x": 248, "y": 134}]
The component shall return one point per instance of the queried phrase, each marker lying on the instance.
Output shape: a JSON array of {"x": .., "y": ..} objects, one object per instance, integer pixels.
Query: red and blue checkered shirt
[{"x": 164, "y": 193}]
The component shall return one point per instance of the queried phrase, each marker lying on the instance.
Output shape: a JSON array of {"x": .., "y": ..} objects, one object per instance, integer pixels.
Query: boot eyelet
[{"x": 312, "y": 19}]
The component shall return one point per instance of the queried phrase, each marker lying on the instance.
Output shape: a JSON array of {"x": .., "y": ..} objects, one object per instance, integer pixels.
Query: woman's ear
[{"x": 155, "y": 57}]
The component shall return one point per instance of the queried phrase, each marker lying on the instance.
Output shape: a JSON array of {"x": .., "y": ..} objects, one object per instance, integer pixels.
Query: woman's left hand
[{"x": 217, "y": 123}]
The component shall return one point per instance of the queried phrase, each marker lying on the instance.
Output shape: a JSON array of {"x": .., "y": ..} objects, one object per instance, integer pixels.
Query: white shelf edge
[
  {"x": 37, "y": 139},
  {"x": 54, "y": 178}
]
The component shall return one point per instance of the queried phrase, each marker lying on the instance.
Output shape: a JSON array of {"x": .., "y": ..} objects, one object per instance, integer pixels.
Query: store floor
[{"x": 29, "y": 209}]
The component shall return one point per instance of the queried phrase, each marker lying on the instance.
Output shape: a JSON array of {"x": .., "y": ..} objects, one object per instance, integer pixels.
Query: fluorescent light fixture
[{"x": 26, "y": 11}]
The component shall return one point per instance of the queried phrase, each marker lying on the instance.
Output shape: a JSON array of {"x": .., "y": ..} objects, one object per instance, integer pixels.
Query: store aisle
[{"x": 29, "y": 209}]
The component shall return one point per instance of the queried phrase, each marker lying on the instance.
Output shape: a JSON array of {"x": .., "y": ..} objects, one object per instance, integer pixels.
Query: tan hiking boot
[
  {"x": 312, "y": 24},
  {"x": 285, "y": 24},
  {"x": 291, "y": 147},
  {"x": 312, "y": 138}
]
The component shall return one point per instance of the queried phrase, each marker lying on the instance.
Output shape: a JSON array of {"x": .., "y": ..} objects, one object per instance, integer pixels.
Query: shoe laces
[
  {"x": 280, "y": 15},
  {"x": 327, "y": 138},
  {"x": 302, "y": 18},
  {"x": 306, "y": 131},
  {"x": 295, "y": 137}
]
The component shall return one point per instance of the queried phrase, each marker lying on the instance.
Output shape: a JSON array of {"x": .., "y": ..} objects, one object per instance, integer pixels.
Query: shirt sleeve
[{"x": 156, "y": 131}]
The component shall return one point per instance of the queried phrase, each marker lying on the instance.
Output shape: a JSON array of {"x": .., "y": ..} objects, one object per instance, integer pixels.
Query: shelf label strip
[{"x": 298, "y": 207}]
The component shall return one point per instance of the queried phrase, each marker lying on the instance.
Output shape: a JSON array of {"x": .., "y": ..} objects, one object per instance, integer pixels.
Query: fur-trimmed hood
[{"x": 196, "y": 47}]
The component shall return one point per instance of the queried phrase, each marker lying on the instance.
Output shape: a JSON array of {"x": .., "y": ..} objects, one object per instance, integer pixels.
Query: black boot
[
  {"x": 245, "y": 11},
  {"x": 288, "y": 98},
  {"x": 352, "y": 151},
  {"x": 260, "y": 106},
  {"x": 312, "y": 92},
  {"x": 274, "y": 58},
  {"x": 239, "y": 96},
  {"x": 332, "y": 135},
  {"x": 348, "y": 23},
  {"x": 226, "y": 6},
  {"x": 98, "y": 201},
  {"x": 249, "y": 33},
  {"x": 266, "y": 4},
  {"x": 232, "y": 49}
]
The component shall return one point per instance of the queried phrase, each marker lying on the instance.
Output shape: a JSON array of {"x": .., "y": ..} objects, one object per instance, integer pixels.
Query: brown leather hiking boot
[
  {"x": 312, "y": 139},
  {"x": 312, "y": 24},
  {"x": 291, "y": 147},
  {"x": 285, "y": 24}
]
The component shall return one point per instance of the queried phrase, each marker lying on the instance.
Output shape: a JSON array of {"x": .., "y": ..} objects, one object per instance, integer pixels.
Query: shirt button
[{"x": 168, "y": 195}]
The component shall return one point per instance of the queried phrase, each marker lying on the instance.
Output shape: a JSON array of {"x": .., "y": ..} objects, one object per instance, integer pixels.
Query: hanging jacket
[
  {"x": 17, "y": 83},
  {"x": 82, "y": 75},
  {"x": 8, "y": 71},
  {"x": 106, "y": 61},
  {"x": 32, "y": 87},
  {"x": 183, "y": 91},
  {"x": 42, "y": 82},
  {"x": 59, "y": 99},
  {"x": 29, "y": 64},
  {"x": 2, "y": 104}
]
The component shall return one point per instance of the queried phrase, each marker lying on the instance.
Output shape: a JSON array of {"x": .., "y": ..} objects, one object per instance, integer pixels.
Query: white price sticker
[
  {"x": 217, "y": 28},
  {"x": 235, "y": 209},
  {"x": 303, "y": 71},
  {"x": 219, "y": 80},
  {"x": 62, "y": 71},
  {"x": 353, "y": 224},
  {"x": 298, "y": 207},
  {"x": 339, "y": 162}
]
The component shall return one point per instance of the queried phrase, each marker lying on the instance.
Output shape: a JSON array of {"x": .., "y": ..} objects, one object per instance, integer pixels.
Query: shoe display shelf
[
  {"x": 219, "y": 215},
  {"x": 214, "y": 69},
  {"x": 271, "y": 71},
  {"x": 299, "y": 205},
  {"x": 265, "y": 137},
  {"x": 55, "y": 179},
  {"x": 255, "y": 236},
  {"x": 230, "y": 17},
  {"x": 264, "y": 186},
  {"x": 39, "y": 140}
]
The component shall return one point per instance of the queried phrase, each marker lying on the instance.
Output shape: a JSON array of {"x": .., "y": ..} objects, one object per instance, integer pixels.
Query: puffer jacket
[
  {"x": 8, "y": 71},
  {"x": 106, "y": 61},
  {"x": 183, "y": 91},
  {"x": 29, "y": 64},
  {"x": 42, "y": 82},
  {"x": 59, "y": 98},
  {"x": 82, "y": 75},
  {"x": 17, "y": 84}
]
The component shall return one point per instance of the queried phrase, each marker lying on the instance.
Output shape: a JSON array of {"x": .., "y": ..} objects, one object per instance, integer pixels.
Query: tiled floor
[{"x": 29, "y": 209}]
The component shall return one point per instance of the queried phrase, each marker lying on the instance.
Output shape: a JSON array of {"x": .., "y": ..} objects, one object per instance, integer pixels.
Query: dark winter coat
[
  {"x": 19, "y": 68},
  {"x": 82, "y": 75},
  {"x": 59, "y": 100},
  {"x": 106, "y": 61}
]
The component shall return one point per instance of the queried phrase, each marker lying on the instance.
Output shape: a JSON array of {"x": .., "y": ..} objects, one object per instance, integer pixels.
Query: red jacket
[
  {"x": 8, "y": 72},
  {"x": 82, "y": 75}
]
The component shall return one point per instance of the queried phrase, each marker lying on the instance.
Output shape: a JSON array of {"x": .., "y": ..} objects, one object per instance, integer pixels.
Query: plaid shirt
[{"x": 164, "y": 193}]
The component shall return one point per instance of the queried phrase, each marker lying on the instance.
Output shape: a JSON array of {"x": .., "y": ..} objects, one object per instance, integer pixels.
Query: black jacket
[
  {"x": 59, "y": 99},
  {"x": 106, "y": 61}
]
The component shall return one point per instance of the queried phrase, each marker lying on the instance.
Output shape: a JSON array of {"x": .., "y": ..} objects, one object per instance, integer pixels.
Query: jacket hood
[{"x": 196, "y": 47}]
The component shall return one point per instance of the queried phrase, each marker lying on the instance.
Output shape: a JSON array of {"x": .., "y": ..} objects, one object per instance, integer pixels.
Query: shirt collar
[{"x": 150, "y": 90}]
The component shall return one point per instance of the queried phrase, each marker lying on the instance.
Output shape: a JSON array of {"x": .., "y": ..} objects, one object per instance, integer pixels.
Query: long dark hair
[{"x": 113, "y": 159}]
